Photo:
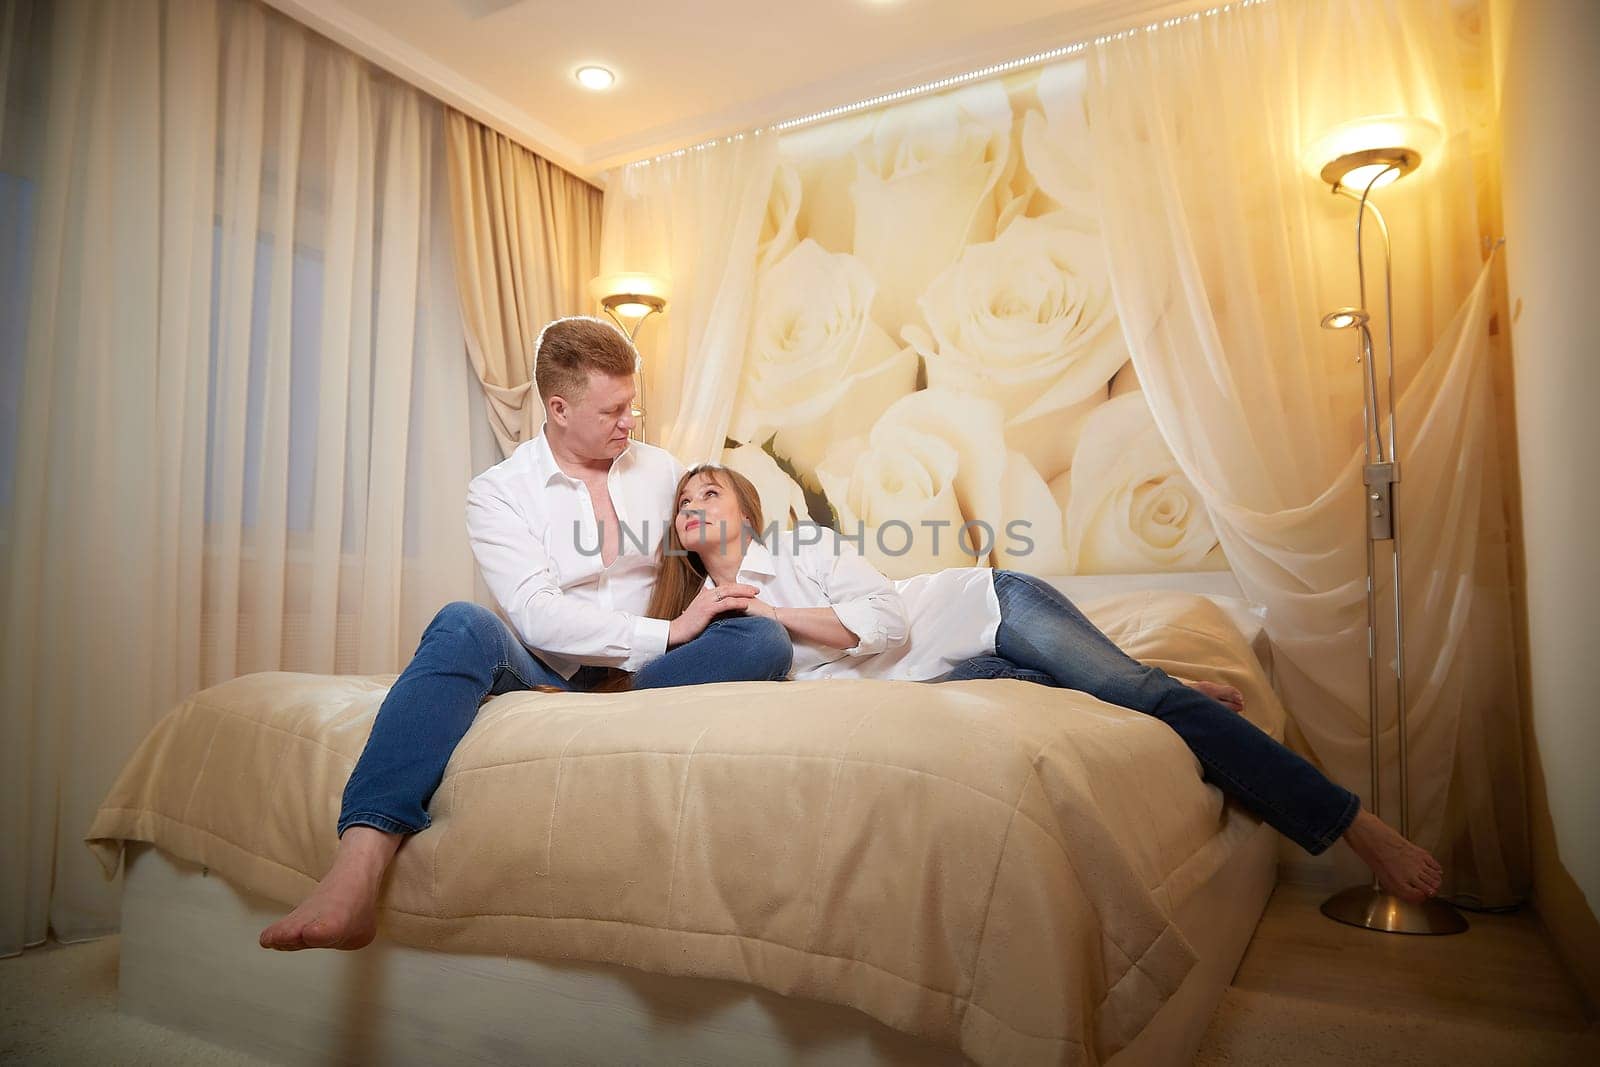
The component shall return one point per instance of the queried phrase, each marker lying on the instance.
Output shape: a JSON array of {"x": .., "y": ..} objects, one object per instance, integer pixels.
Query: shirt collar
[
  {"x": 547, "y": 470},
  {"x": 757, "y": 560}
]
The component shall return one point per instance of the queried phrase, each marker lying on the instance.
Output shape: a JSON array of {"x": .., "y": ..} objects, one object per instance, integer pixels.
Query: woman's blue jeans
[
  {"x": 1043, "y": 638},
  {"x": 467, "y": 654}
]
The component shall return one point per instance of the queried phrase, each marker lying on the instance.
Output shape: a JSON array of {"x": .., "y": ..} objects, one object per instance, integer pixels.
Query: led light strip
[{"x": 945, "y": 83}]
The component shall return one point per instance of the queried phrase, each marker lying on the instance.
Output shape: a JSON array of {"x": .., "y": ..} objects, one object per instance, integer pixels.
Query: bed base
[{"x": 190, "y": 961}]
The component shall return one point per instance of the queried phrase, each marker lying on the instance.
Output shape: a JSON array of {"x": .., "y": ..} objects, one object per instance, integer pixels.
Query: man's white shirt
[{"x": 534, "y": 533}]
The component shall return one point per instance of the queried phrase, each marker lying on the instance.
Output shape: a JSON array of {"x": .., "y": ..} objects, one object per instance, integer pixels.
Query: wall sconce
[
  {"x": 1354, "y": 159},
  {"x": 630, "y": 297}
]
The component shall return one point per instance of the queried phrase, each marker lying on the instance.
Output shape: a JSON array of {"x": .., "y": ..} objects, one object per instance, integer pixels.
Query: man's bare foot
[
  {"x": 1222, "y": 694},
  {"x": 1406, "y": 870},
  {"x": 342, "y": 911}
]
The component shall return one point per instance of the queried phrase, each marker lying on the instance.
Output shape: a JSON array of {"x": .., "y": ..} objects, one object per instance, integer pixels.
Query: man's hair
[{"x": 568, "y": 349}]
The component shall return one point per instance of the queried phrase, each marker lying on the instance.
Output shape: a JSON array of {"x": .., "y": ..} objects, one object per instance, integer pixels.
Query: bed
[{"x": 841, "y": 872}]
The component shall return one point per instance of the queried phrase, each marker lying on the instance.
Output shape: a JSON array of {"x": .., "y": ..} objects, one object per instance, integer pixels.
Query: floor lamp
[
  {"x": 1366, "y": 169},
  {"x": 631, "y": 297}
]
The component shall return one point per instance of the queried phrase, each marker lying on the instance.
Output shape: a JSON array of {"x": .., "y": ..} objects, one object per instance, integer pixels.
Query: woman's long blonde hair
[{"x": 679, "y": 574}]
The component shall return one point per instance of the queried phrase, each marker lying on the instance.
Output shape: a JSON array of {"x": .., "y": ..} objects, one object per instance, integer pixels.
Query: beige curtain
[
  {"x": 527, "y": 241},
  {"x": 1224, "y": 254},
  {"x": 695, "y": 219},
  {"x": 238, "y": 425}
]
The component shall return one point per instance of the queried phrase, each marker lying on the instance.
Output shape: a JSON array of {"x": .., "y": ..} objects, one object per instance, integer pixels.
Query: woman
[{"x": 846, "y": 619}]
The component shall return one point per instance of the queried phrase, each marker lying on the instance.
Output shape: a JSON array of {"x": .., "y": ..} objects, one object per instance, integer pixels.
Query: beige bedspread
[{"x": 990, "y": 865}]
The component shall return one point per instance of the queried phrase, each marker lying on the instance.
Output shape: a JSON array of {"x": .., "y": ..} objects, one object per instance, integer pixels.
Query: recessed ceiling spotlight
[{"x": 596, "y": 78}]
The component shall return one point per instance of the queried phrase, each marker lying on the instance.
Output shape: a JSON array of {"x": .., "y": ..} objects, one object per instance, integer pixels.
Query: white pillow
[
  {"x": 1219, "y": 587},
  {"x": 1251, "y": 619}
]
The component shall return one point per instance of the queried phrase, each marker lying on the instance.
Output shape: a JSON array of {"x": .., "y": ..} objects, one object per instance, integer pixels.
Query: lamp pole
[
  {"x": 1369, "y": 906},
  {"x": 646, "y": 305}
]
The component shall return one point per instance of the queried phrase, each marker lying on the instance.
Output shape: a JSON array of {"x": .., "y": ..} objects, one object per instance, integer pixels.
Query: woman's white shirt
[{"x": 915, "y": 629}]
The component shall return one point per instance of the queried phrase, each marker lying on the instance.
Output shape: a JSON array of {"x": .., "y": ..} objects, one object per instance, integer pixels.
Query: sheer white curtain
[
  {"x": 1224, "y": 254},
  {"x": 694, "y": 219},
  {"x": 244, "y": 421}
]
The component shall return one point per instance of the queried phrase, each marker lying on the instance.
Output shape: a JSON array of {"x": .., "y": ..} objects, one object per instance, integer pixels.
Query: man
[{"x": 565, "y": 532}]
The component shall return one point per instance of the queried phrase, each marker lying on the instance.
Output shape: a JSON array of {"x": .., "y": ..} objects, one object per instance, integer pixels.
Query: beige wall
[{"x": 1552, "y": 220}]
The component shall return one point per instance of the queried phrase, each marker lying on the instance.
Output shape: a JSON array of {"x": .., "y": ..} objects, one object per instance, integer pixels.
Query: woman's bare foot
[
  {"x": 1222, "y": 694},
  {"x": 342, "y": 911},
  {"x": 1406, "y": 870}
]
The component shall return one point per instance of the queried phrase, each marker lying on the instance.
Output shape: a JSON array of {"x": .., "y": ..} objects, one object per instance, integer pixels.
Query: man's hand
[{"x": 706, "y": 606}]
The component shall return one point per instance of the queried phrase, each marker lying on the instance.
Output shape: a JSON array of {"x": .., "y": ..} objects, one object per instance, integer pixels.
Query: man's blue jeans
[
  {"x": 1043, "y": 638},
  {"x": 467, "y": 654}
]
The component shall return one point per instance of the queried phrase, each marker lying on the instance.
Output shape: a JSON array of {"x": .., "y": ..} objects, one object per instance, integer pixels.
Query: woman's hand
[
  {"x": 706, "y": 606},
  {"x": 760, "y": 607}
]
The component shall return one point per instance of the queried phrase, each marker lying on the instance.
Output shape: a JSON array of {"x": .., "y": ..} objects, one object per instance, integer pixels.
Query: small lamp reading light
[
  {"x": 630, "y": 297},
  {"x": 1344, "y": 318}
]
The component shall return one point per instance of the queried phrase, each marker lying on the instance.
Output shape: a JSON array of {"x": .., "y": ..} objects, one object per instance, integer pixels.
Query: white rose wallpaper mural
[{"x": 935, "y": 363}]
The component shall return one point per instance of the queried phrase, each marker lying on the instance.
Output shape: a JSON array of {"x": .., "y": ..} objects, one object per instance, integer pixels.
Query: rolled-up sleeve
[
  {"x": 516, "y": 568},
  {"x": 863, "y": 598}
]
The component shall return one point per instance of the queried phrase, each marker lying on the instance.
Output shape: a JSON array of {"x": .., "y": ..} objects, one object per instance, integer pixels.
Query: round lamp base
[{"x": 1371, "y": 908}]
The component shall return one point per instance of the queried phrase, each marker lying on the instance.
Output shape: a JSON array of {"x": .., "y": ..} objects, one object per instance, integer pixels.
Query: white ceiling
[{"x": 689, "y": 71}]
